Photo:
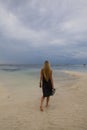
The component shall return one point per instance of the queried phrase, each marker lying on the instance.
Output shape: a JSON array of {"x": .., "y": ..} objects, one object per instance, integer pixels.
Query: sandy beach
[{"x": 67, "y": 109}]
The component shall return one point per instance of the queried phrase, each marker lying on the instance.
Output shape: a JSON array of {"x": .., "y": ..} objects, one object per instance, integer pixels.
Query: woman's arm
[
  {"x": 51, "y": 78},
  {"x": 40, "y": 78}
]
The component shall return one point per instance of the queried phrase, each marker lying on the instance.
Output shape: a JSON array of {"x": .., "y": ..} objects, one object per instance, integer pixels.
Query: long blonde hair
[{"x": 46, "y": 70}]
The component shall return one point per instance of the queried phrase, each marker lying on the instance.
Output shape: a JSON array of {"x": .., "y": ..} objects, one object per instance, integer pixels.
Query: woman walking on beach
[{"x": 46, "y": 83}]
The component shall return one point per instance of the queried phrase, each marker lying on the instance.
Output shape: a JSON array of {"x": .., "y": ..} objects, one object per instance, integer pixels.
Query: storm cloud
[{"x": 34, "y": 30}]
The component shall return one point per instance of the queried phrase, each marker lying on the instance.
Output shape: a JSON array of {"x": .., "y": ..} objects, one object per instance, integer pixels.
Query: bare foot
[{"x": 41, "y": 109}]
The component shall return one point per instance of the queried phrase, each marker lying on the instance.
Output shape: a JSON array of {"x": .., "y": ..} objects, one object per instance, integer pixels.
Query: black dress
[{"x": 46, "y": 87}]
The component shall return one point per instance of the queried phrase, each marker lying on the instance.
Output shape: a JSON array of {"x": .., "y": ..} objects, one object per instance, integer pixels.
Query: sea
[
  {"x": 24, "y": 67},
  {"x": 29, "y": 75}
]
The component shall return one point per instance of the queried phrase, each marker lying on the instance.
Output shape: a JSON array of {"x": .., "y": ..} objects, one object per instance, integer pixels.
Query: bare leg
[
  {"x": 41, "y": 106},
  {"x": 47, "y": 101}
]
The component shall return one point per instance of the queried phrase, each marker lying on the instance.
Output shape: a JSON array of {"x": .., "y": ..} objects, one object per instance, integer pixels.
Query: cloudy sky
[{"x": 32, "y": 31}]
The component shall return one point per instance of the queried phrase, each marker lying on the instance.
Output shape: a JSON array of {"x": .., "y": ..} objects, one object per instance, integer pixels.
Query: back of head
[{"x": 46, "y": 70}]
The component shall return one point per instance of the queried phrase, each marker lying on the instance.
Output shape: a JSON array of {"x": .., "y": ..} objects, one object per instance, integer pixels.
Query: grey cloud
[{"x": 53, "y": 28}]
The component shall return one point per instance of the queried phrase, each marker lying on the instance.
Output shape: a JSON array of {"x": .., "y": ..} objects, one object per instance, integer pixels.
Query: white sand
[{"x": 67, "y": 109}]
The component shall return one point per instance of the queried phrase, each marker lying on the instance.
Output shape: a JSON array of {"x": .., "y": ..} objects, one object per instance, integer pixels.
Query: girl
[{"x": 46, "y": 83}]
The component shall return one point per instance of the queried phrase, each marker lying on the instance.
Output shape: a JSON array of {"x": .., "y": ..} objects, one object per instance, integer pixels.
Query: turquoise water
[
  {"x": 33, "y": 71},
  {"x": 79, "y": 68},
  {"x": 27, "y": 75},
  {"x": 33, "y": 68}
]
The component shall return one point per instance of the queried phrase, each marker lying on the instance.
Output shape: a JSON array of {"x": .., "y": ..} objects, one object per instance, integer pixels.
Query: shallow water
[{"x": 28, "y": 76}]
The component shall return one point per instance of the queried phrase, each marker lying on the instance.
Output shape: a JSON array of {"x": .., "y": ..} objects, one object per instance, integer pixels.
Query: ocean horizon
[{"x": 21, "y": 67}]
